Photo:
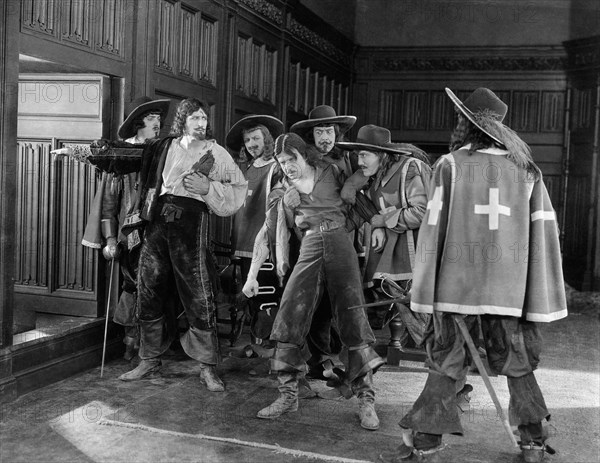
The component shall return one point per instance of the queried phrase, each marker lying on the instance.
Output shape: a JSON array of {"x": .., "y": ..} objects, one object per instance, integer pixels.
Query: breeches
[
  {"x": 327, "y": 259},
  {"x": 513, "y": 346},
  {"x": 176, "y": 250}
]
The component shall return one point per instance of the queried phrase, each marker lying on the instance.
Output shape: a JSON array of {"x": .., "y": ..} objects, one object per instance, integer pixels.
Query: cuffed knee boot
[
  {"x": 363, "y": 388},
  {"x": 288, "y": 397},
  {"x": 153, "y": 342}
]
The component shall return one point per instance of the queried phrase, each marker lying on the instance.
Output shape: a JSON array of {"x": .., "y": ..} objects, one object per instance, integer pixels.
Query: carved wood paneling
[
  {"x": 75, "y": 269},
  {"x": 265, "y": 9},
  {"x": 243, "y": 62},
  {"x": 301, "y": 106},
  {"x": 40, "y": 16},
  {"x": 390, "y": 109},
  {"x": 326, "y": 90},
  {"x": 165, "y": 43},
  {"x": 312, "y": 89},
  {"x": 188, "y": 43},
  {"x": 270, "y": 77},
  {"x": 577, "y": 216},
  {"x": 416, "y": 109},
  {"x": 524, "y": 111},
  {"x": 34, "y": 173},
  {"x": 209, "y": 50},
  {"x": 93, "y": 25},
  {"x": 53, "y": 200},
  {"x": 256, "y": 69},
  {"x": 317, "y": 41},
  {"x": 442, "y": 113},
  {"x": 76, "y": 25},
  {"x": 582, "y": 108},
  {"x": 332, "y": 88},
  {"x": 480, "y": 63},
  {"x": 111, "y": 27},
  {"x": 553, "y": 185},
  {"x": 553, "y": 111}
]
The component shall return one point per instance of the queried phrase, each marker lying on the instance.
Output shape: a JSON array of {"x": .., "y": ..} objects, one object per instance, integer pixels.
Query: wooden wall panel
[
  {"x": 287, "y": 62},
  {"x": 524, "y": 111},
  {"x": 582, "y": 197},
  {"x": 76, "y": 22},
  {"x": 166, "y": 36},
  {"x": 74, "y": 267},
  {"x": 96, "y": 26},
  {"x": 53, "y": 200},
  {"x": 111, "y": 27},
  {"x": 40, "y": 16},
  {"x": 552, "y": 112},
  {"x": 33, "y": 213}
]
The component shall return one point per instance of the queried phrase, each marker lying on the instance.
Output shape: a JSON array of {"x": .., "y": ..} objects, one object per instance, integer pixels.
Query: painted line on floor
[{"x": 229, "y": 440}]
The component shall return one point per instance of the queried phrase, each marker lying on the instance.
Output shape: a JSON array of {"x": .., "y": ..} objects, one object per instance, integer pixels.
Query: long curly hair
[
  {"x": 184, "y": 109},
  {"x": 519, "y": 152},
  {"x": 269, "y": 142}
]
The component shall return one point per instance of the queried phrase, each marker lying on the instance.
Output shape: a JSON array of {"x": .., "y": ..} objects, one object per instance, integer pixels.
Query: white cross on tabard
[
  {"x": 494, "y": 209},
  {"x": 434, "y": 205}
]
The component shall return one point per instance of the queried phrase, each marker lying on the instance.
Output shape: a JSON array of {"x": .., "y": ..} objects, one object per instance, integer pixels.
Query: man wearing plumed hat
[{"x": 488, "y": 248}]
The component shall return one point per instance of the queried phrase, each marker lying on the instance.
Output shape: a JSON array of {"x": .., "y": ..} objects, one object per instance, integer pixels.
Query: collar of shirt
[
  {"x": 261, "y": 162},
  {"x": 493, "y": 150}
]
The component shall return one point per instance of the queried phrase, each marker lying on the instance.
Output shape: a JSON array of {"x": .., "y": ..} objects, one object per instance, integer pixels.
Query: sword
[
  {"x": 482, "y": 371},
  {"x": 401, "y": 300},
  {"x": 112, "y": 269}
]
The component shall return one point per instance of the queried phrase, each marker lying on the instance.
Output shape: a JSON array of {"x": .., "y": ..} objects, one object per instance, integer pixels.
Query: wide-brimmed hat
[
  {"x": 136, "y": 108},
  {"x": 373, "y": 138},
  {"x": 484, "y": 109},
  {"x": 323, "y": 114},
  {"x": 234, "y": 140}
]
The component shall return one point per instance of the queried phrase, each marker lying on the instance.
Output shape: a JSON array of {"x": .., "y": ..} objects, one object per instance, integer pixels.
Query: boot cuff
[
  {"x": 154, "y": 340},
  {"x": 201, "y": 345},
  {"x": 361, "y": 361},
  {"x": 289, "y": 358}
]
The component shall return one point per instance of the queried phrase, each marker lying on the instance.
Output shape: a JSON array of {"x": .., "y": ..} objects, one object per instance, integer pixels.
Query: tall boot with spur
[{"x": 288, "y": 397}]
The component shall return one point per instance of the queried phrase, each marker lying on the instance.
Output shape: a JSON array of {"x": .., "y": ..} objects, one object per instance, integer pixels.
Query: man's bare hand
[
  {"x": 250, "y": 288},
  {"x": 378, "y": 239},
  {"x": 196, "y": 183}
]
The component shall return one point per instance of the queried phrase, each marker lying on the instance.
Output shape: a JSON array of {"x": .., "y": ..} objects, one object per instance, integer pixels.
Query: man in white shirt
[{"x": 184, "y": 176}]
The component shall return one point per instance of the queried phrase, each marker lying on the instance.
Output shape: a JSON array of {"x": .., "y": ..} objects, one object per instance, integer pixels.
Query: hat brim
[
  {"x": 469, "y": 114},
  {"x": 345, "y": 123},
  {"x": 349, "y": 146},
  {"x": 126, "y": 129},
  {"x": 234, "y": 140}
]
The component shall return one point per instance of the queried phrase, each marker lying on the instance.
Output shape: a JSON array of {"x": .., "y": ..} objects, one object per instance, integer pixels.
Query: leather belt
[{"x": 323, "y": 227}]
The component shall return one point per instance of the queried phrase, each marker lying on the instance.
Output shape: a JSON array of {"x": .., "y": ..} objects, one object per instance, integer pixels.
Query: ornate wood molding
[
  {"x": 584, "y": 53},
  {"x": 539, "y": 63},
  {"x": 315, "y": 40},
  {"x": 266, "y": 9}
]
